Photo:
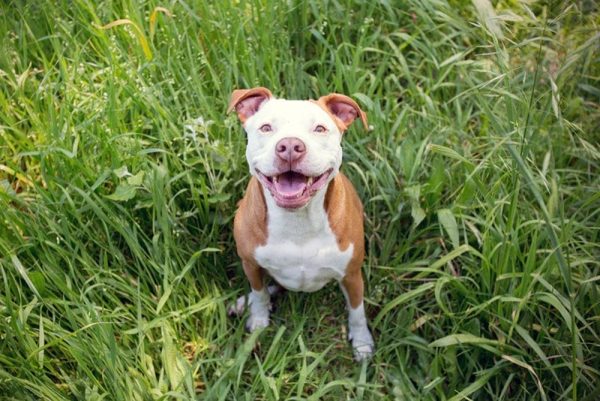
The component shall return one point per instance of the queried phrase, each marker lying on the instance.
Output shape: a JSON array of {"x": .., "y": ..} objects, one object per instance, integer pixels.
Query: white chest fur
[{"x": 301, "y": 252}]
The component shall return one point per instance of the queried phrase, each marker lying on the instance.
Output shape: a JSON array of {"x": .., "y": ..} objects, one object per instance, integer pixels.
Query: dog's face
[
  {"x": 293, "y": 149},
  {"x": 294, "y": 146}
]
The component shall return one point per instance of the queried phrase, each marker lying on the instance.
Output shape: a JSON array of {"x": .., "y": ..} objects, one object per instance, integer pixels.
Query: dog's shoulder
[
  {"x": 345, "y": 222},
  {"x": 250, "y": 222}
]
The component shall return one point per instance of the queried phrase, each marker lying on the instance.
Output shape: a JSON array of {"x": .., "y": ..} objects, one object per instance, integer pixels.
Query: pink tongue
[{"x": 290, "y": 183}]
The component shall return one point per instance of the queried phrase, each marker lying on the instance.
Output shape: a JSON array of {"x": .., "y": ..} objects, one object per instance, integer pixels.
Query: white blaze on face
[{"x": 293, "y": 119}]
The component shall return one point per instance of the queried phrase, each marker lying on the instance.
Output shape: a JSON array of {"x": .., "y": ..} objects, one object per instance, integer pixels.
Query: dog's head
[{"x": 294, "y": 146}]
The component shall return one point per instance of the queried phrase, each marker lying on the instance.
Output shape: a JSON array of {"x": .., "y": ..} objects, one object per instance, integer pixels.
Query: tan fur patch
[
  {"x": 250, "y": 222},
  {"x": 345, "y": 214}
]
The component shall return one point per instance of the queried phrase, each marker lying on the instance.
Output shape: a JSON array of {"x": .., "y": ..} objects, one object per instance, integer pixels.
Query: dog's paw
[
  {"x": 238, "y": 307},
  {"x": 362, "y": 352},
  {"x": 257, "y": 322},
  {"x": 362, "y": 343}
]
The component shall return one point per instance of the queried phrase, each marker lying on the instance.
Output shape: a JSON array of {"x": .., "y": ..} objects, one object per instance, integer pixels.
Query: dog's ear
[
  {"x": 246, "y": 102},
  {"x": 343, "y": 109}
]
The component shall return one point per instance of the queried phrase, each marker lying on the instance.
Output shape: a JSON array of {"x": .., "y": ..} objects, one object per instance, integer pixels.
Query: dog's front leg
[
  {"x": 358, "y": 333},
  {"x": 259, "y": 299}
]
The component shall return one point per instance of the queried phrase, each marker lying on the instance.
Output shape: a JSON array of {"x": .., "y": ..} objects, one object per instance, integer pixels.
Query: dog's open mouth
[{"x": 292, "y": 189}]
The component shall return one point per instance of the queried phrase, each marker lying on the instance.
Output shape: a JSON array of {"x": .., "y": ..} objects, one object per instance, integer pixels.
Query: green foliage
[{"x": 120, "y": 173}]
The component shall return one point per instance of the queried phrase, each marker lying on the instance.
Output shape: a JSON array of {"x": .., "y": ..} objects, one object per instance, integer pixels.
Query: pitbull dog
[{"x": 300, "y": 221}]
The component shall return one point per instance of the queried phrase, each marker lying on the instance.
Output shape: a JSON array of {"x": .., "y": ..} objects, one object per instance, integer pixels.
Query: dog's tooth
[
  {"x": 275, "y": 178},
  {"x": 310, "y": 181}
]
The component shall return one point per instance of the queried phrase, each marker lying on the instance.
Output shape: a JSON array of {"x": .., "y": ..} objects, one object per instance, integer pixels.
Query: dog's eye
[
  {"x": 320, "y": 129},
  {"x": 265, "y": 128}
]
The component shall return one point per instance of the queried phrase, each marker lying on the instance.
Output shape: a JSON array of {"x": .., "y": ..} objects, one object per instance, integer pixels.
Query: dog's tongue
[{"x": 290, "y": 183}]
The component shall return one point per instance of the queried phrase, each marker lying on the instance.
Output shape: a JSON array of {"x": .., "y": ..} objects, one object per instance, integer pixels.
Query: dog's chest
[{"x": 302, "y": 254}]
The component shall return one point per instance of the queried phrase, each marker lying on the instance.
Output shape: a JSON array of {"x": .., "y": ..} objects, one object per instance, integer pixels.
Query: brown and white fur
[{"x": 300, "y": 221}]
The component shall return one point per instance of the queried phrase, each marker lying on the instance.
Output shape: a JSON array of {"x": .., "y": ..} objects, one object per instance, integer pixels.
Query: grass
[{"x": 120, "y": 172}]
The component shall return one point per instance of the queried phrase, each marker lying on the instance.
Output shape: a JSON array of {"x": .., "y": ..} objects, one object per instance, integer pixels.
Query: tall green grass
[{"x": 120, "y": 172}]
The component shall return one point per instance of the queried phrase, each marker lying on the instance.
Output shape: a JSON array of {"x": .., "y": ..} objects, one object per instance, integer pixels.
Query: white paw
[
  {"x": 362, "y": 343},
  {"x": 259, "y": 304},
  {"x": 257, "y": 322},
  {"x": 238, "y": 307}
]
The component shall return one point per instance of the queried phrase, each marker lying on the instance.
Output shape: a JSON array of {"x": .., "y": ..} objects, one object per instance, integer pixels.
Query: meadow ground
[{"x": 120, "y": 172}]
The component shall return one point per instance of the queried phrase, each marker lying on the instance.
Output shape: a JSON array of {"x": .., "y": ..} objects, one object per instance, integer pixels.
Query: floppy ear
[
  {"x": 343, "y": 109},
  {"x": 246, "y": 102}
]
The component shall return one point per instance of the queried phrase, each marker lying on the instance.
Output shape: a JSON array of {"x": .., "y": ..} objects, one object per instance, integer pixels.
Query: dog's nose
[{"x": 290, "y": 149}]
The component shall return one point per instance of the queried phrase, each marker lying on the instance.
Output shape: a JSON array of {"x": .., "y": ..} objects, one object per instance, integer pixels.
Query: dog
[{"x": 300, "y": 220}]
